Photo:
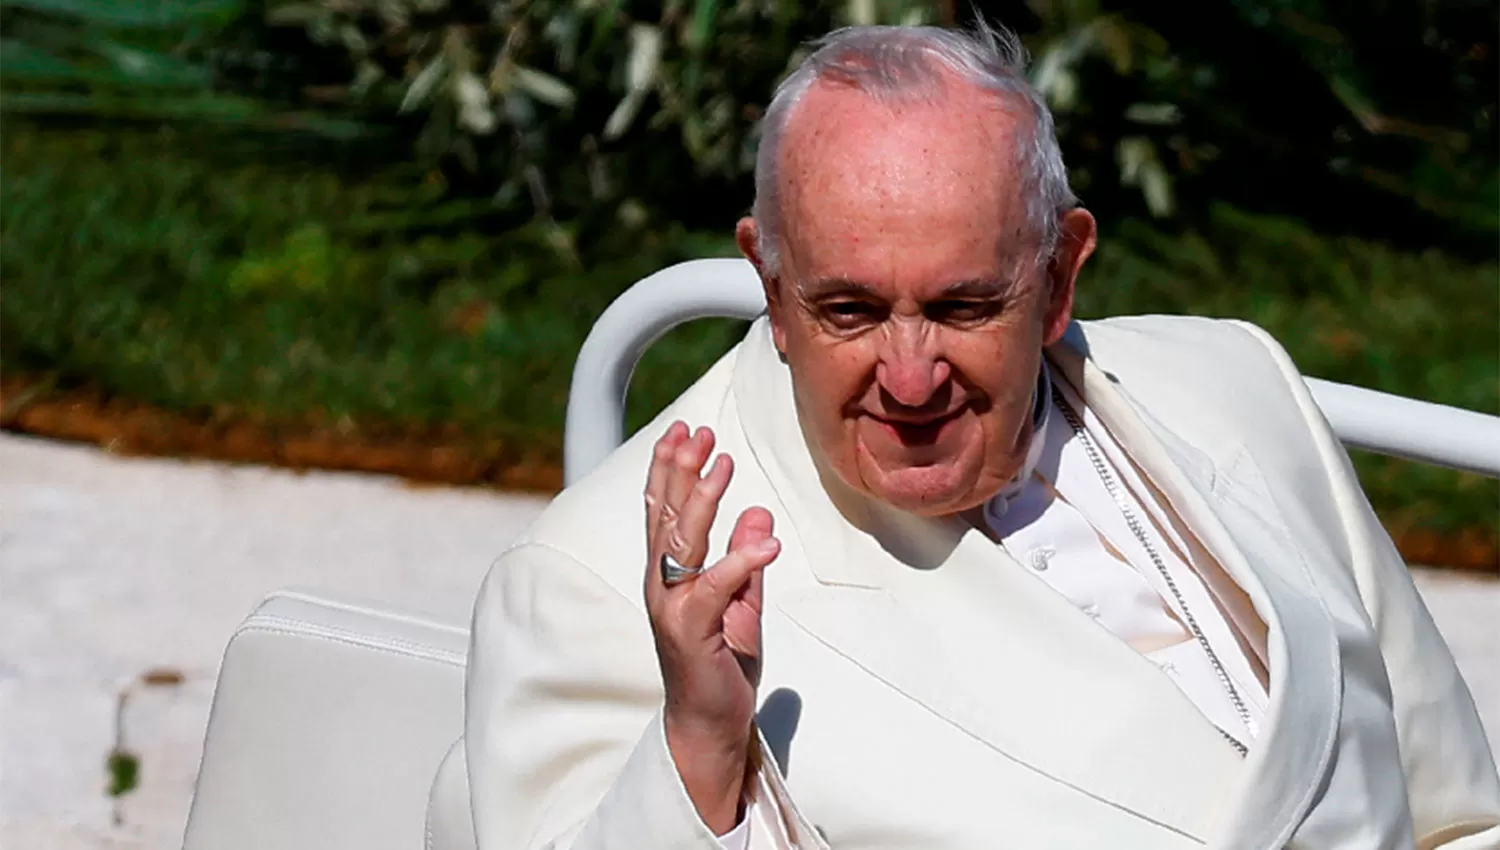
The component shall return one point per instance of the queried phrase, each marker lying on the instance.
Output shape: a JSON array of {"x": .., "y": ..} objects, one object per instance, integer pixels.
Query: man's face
[{"x": 911, "y": 304}]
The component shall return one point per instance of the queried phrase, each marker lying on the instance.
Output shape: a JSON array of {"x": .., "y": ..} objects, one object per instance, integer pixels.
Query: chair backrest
[{"x": 1363, "y": 418}]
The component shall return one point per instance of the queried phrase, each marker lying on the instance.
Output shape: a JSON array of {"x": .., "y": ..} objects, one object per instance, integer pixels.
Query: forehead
[{"x": 920, "y": 194}]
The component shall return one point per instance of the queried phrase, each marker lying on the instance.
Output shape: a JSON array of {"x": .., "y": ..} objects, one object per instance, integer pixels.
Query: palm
[{"x": 736, "y": 648}]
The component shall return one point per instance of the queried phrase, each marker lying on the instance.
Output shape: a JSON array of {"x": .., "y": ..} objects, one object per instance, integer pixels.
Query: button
[{"x": 1041, "y": 558}]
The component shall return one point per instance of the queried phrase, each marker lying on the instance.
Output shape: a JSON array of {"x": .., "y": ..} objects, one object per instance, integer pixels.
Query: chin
[{"x": 937, "y": 490}]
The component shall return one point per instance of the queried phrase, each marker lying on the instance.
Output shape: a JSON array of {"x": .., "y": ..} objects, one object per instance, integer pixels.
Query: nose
[{"x": 911, "y": 369}]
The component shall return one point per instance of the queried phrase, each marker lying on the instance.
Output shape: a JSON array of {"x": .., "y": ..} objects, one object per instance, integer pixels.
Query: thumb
[
  {"x": 752, "y": 526},
  {"x": 751, "y": 548},
  {"x": 732, "y": 571},
  {"x": 716, "y": 587}
]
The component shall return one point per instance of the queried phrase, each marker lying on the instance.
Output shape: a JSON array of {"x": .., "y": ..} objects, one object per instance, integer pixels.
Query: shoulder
[
  {"x": 1226, "y": 386},
  {"x": 1211, "y": 364},
  {"x": 1193, "y": 346}
]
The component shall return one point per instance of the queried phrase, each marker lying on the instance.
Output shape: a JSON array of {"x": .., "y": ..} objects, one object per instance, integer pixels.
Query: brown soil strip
[
  {"x": 441, "y": 458},
  {"x": 132, "y": 428}
]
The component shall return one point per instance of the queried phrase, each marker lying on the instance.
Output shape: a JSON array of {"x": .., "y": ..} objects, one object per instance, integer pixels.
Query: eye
[
  {"x": 852, "y": 314},
  {"x": 961, "y": 310}
]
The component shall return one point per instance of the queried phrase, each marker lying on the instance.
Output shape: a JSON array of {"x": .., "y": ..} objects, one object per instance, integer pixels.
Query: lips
[{"x": 914, "y": 434}]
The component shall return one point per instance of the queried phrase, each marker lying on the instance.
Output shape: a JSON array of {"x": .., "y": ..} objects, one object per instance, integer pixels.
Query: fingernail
[{"x": 768, "y": 546}]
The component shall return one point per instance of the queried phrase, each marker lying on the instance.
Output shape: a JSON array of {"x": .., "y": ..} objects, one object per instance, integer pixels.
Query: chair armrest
[{"x": 329, "y": 720}]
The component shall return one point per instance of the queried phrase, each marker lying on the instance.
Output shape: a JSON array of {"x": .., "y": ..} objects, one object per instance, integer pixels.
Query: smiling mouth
[{"x": 913, "y": 434}]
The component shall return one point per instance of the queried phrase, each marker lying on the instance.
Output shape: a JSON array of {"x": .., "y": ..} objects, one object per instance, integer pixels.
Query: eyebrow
[
  {"x": 983, "y": 288},
  {"x": 832, "y": 287}
]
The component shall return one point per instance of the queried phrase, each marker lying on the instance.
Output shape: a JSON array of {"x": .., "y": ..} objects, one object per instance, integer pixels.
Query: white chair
[{"x": 333, "y": 721}]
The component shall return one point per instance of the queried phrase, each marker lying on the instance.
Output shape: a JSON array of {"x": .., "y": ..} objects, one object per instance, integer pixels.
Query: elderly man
[{"x": 979, "y": 576}]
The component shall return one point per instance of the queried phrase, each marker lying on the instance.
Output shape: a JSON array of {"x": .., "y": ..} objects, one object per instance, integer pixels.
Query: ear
[
  {"x": 1075, "y": 245},
  {"x": 747, "y": 236}
]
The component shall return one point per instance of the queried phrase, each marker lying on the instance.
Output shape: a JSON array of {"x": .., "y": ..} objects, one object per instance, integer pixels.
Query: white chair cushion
[{"x": 328, "y": 725}]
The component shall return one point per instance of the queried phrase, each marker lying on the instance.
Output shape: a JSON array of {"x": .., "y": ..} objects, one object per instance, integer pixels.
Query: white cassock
[{"x": 1209, "y": 642}]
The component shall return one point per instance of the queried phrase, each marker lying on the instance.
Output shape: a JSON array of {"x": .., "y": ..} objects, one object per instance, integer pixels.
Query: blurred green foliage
[
  {"x": 1374, "y": 120},
  {"x": 407, "y": 213},
  {"x": 134, "y": 61}
]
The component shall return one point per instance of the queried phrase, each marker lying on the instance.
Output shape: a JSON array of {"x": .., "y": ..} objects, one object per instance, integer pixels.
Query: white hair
[{"x": 901, "y": 63}]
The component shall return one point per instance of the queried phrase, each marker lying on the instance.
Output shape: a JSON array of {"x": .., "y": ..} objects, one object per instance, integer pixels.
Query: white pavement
[{"x": 115, "y": 568}]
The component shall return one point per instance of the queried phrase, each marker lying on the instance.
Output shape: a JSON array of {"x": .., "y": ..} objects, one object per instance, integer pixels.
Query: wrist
[{"x": 712, "y": 768}]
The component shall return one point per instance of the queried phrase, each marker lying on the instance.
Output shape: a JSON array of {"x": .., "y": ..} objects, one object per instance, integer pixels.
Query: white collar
[{"x": 1041, "y": 413}]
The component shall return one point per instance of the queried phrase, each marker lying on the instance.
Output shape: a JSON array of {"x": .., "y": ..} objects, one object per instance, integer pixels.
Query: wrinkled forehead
[
  {"x": 957, "y": 129},
  {"x": 936, "y": 178}
]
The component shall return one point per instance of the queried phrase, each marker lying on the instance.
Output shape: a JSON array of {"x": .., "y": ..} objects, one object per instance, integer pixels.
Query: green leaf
[
  {"x": 474, "y": 111},
  {"x": 544, "y": 87},
  {"x": 702, "y": 30},
  {"x": 424, "y": 83},
  {"x": 1139, "y": 166},
  {"x": 104, "y": 105},
  {"x": 126, "y": 65},
  {"x": 225, "y": 110},
  {"x": 296, "y": 14},
  {"x": 860, "y": 12},
  {"x": 1154, "y": 113},
  {"x": 124, "y": 769},
  {"x": 21, "y": 60},
  {"x": 158, "y": 14},
  {"x": 1357, "y": 102},
  {"x": 148, "y": 67},
  {"x": 640, "y": 73},
  {"x": 604, "y": 24},
  {"x": 645, "y": 57},
  {"x": 1054, "y": 76},
  {"x": 624, "y": 113}
]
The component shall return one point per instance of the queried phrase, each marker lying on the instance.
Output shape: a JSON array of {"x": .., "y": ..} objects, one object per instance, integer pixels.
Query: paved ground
[{"x": 113, "y": 569}]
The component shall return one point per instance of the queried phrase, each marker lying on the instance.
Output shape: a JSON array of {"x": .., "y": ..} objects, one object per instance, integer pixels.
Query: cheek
[
  {"x": 829, "y": 378},
  {"x": 1004, "y": 369},
  {"x": 999, "y": 362},
  {"x": 825, "y": 379}
]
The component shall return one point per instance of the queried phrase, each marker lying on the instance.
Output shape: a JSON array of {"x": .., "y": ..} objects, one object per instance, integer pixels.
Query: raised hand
[{"x": 707, "y": 627}]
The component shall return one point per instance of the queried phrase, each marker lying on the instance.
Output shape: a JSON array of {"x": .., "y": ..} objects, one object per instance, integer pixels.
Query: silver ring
[{"x": 673, "y": 572}]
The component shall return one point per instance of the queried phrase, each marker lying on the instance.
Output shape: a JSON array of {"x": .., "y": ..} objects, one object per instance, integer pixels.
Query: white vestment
[
  {"x": 1066, "y": 525},
  {"x": 921, "y": 687}
]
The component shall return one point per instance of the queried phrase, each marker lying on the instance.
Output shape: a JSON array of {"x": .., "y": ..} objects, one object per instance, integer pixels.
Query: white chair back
[{"x": 1363, "y": 418}]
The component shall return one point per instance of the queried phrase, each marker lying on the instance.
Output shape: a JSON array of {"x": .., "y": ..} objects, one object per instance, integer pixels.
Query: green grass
[
  {"x": 283, "y": 294},
  {"x": 280, "y": 296}
]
